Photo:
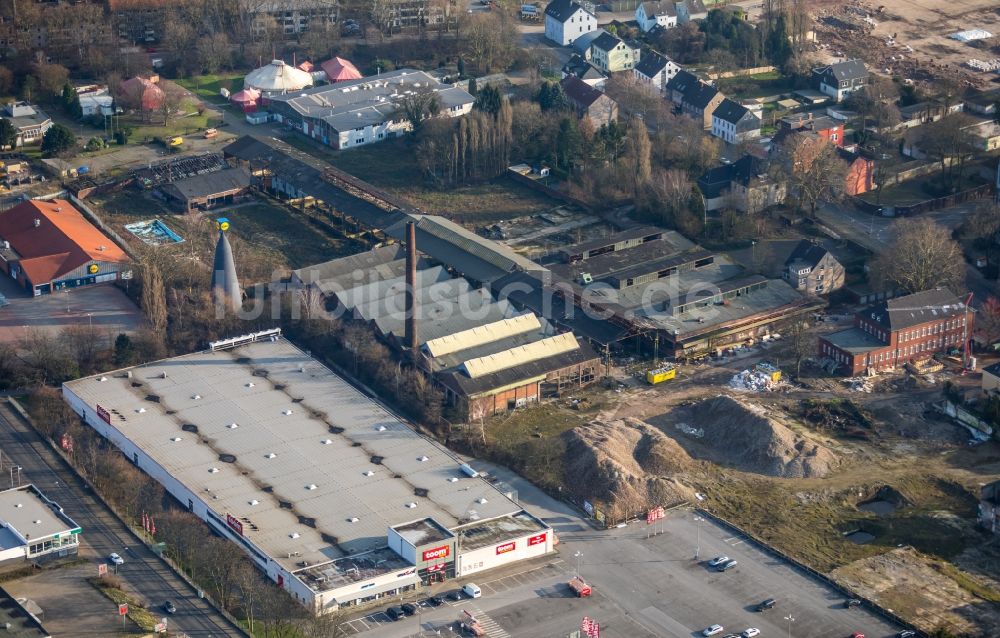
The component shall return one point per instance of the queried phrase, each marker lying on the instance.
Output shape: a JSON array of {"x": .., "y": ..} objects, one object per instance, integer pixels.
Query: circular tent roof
[{"x": 277, "y": 77}]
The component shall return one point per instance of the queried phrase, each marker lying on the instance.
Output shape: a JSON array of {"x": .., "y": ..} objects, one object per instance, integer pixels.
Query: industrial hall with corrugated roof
[{"x": 486, "y": 355}]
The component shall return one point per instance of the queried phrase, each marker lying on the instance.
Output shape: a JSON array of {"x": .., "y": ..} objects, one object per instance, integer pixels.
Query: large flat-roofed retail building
[{"x": 334, "y": 497}]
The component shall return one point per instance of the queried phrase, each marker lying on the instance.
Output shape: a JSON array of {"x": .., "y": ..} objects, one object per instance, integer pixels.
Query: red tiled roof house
[{"x": 48, "y": 246}]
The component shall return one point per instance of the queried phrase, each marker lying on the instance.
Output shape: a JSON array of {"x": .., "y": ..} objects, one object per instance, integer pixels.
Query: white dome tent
[{"x": 277, "y": 78}]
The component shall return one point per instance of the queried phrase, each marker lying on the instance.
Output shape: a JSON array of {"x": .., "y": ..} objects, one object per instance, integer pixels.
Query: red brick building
[{"x": 895, "y": 331}]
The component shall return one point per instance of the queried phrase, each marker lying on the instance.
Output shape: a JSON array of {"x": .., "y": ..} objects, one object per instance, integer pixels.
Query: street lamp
[
  {"x": 790, "y": 620},
  {"x": 578, "y": 555},
  {"x": 697, "y": 547}
]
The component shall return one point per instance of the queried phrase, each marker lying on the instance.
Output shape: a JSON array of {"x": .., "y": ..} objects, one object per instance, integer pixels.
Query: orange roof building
[
  {"x": 338, "y": 69},
  {"x": 49, "y": 245}
]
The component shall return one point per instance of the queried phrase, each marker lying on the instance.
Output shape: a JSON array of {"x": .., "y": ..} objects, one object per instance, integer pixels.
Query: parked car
[
  {"x": 906, "y": 633},
  {"x": 116, "y": 559},
  {"x": 169, "y": 607},
  {"x": 455, "y": 595},
  {"x": 718, "y": 560},
  {"x": 395, "y": 613},
  {"x": 724, "y": 567},
  {"x": 435, "y": 601},
  {"x": 767, "y": 604},
  {"x": 753, "y": 632},
  {"x": 472, "y": 590},
  {"x": 711, "y": 631},
  {"x": 408, "y": 608},
  {"x": 852, "y": 602}
]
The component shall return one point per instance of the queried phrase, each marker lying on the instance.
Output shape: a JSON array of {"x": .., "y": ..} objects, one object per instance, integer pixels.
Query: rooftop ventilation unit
[
  {"x": 196, "y": 397},
  {"x": 327, "y": 441},
  {"x": 103, "y": 379},
  {"x": 287, "y": 412},
  {"x": 482, "y": 500},
  {"x": 254, "y": 501},
  {"x": 411, "y": 505},
  {"x": 468, "y": 471},
  {"x": 250, "y": 384},
  {"x": 141, "y": 410},
  {"x": 311, "y": 487},
  {"x": 233, "y": 426},
  {"x": 213, "y": 470},
  {"x": 453, "y": 479},
  {"x": 176, "y": 439},
  {"x": 270, "y": 455},
  {"x": 293, "y": 535},
  {"x": 368, "y": 473},
  {"x": 381, "y": 428},
  {"x": 353, "y": 519},
  {"x": 423, "y": 459}
]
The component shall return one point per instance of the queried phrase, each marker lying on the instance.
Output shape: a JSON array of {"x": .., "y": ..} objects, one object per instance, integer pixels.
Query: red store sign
[
  {"x": 536, "y": 540},
  {"x": 506, "y": 547},
  {"x": 437, "y": 552},
  {"x": 235, "y": 524},
  {"x": 104, "y": 414}
]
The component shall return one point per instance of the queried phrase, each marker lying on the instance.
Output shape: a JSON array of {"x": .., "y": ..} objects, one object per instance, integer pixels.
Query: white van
[{"x": 472, "y": 590}]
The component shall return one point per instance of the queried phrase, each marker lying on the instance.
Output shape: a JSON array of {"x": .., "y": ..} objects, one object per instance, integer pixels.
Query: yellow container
[
  {"x": 175, "y": 141},
  {"x": 661, "y": 374},
  {"x": 769, "y": 369}
]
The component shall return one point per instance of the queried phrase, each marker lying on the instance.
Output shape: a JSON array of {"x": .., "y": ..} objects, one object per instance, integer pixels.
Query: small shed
[{"x": 211, "y": 189}]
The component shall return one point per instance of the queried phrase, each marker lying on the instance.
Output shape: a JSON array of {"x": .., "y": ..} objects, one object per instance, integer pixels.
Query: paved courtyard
[{"x": 102, "y": 306}]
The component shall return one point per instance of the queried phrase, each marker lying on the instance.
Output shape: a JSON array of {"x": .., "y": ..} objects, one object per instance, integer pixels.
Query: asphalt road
[
  {"x": 143, "y": 571},
  {"x": 875, "y": 232}
]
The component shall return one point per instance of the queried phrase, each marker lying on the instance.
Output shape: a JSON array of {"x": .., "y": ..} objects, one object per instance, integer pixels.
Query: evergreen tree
[
  {"x": 568, "y": 142},
  {"x": 473, "y": 89},
  {"x": 551, "y": 97},
  {"x": 779, "y": 43},
  {"x": 488, "y": 100},
  {"x": 8, "y": 134},
  {"x": 57, "y": 139}
]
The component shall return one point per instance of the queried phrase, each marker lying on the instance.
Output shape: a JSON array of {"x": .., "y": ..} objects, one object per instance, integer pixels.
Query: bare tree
[
  {"x": 154, "y": 296},
  {"x": 638, "y": 154},
  {"x": 923, "y": 256},
  {"x": 815, "y": 172},
  {"x": 803, "y": 343}
]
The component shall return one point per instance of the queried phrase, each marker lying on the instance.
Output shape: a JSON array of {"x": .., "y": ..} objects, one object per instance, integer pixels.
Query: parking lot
[
  {"x": 645, "y": 586},
  {"x": 104, "y": 307}
]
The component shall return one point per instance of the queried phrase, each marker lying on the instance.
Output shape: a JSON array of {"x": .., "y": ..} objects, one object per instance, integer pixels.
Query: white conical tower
[{"x": 225, "y": 286}]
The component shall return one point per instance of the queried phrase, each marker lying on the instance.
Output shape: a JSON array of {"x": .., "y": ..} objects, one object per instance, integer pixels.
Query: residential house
[
  {"x": 589, "y": 102},
  {"x": 982, "y": 102},
  {"x": 989, "y": 507},
  {"x": 679, "y": 85},
  {"x": 565, "y": 21},
  {"x": 30, "y": 122},
  {"x": 734, "y": 123},
  {"x": 295, "y": 17},
  {"x": 579, "y": 67},
  {"x": 824, "y": 126},
  {"x": 581, "y": 46},
  {"x": 813, "y": 269},
  {"x": 700, "y": 103},
  {"x": 655, "y": 70},
  {"x": 841, "y": 79},
  {"x": 895, "y": 331},
  {"x": 860, "y": 175},
  {"x": 356, "y": 112},
  {"x": 610, "y": 53},
  {"x": 985, "y": 135},
  {"x": 745, "y": 185},
  {"x": 668, "y": 13}
]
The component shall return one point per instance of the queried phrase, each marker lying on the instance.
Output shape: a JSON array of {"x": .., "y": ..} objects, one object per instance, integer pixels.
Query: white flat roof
[
  {"x": 31, "y": 514},
  {"x": 303, "y": 446}
]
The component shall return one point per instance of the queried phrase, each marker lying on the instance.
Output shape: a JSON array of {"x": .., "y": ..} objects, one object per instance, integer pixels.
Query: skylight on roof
[
  {"x": 270, "y": 455},
  {"x": 311, "y": 486},
  {"x": 213, "y": 470}
]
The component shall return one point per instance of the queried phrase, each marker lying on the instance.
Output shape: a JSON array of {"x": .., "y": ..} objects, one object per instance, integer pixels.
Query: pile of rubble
[
  {"x": 753, "y": 381},
  {"x": 859, "y": 384}
]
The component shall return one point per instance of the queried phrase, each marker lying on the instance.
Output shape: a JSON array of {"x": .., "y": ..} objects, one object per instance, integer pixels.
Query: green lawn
[
  {"x": 186, "y": 125},
  {"x": 207, "y": 86}
]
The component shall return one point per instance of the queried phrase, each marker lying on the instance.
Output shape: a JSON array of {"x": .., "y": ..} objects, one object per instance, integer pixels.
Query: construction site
[{"x": 921, "y": 42}]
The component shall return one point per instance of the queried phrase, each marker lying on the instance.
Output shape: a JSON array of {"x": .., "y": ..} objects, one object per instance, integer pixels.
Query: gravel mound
[
  {"x": 626, "y": 461},
  {"x": 742, "y": 435}
]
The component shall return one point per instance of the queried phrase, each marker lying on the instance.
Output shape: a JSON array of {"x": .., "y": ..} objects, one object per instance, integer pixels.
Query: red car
[{"x": 857, "y": 634}]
